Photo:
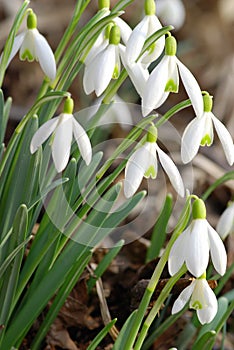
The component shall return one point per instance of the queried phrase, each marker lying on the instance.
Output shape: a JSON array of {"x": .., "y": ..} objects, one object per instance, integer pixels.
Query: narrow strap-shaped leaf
[
  {"x": 206, "y": 341},
  {"x": 101, "y": 335},
  {"x": 125, "y": 333},
  {"x": 159, "y": 232}
]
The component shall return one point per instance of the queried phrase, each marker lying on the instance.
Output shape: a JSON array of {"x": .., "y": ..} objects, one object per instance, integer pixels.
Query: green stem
[
  {"x": 228, "y": 176},
  {"x": 158, "y": 304}
]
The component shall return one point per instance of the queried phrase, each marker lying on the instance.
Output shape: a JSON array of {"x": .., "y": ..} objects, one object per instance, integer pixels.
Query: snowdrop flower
[
  {"x": 33, "y": 46},
  {"x": 202, "y": 299},
  {"x": 193, "y": 245},
  {"x": 143, "y": 163},
  {"x": 171, "y": 12},
  {"x": 62, "y": 128},
  {"x": 118, "y": 112},
  {"x": 137, "y": 73},
  {"x": 104, "y": 66},
  {"x": 165, "y": 79},
  {"x": 200, "y": 132},
  {"x": 225, "y": 224},
  {"x": 103, "y": 39},
  {"x": 148, "y": 25}
]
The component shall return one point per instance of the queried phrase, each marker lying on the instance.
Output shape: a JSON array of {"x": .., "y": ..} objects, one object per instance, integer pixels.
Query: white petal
[
  {"x": 136, "y": 40},
  {"x": 198, "y": 248},
  {"x": 178, "y": 252},
  {"x": 135, "y": 169},
  {"x": 62, "y": 142},
  {"x": 121, "y": 113},
  {"x": 136, "y": 72},
  {"x": 154, "y": 25},
  {"x": 172, "y": 172},
  {"x": 183, "y": 298},
  {"x": 43, "y": 133},
  {"x": 104, "y": 64},
  {"x": 191, "y": 139},
  {"x": 45, "y": 56},
  {"x": 16, "y": 46},
  {"x": 225, "y": 139},
  {"x": 125, "y": 30},
  {"x": 192, "y": 88},
  {"x": 171, "y": 12},
  {"x": 82, "y": 141},
  {"x": 28, "y": 44},
  {"x": 88, "y": 78},
  {"x": 99, "y": 45},
  {"x": 217, "y": 250},
  {"x": 207, "y": 314},
  {"x": 225, "y": 224},
  {"x": 155, "y": 87}
]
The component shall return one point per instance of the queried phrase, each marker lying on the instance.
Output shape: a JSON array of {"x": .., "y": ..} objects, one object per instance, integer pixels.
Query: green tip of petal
[
  {"x": 198, "y": 209},
  {"x": 196, "y": 305},
  {"x": 68, "y": 106},
  {"x": 170, "y": 46},
  {"x": 208, "y": 102},
  {"x": 115, "y": 74},
  {"x": 114, "y": 35},
  {"x": 103, "y": 4},
  {"x": 171, "y": 86},
  {"x": 206, "y": 140},
  {"x": 152, "y": 134},
  {"x": 150, "y": 7},
  {"x": 31, "y": 20},
  {"x": 150, "y": 172},
  {"x": 27, "y": 55}
]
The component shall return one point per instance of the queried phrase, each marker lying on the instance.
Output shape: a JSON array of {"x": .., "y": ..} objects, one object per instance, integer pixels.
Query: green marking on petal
[
  {"x": 27, "y": 55},
  {"x": 151, "y": 172},
  {"x": 206, "y": 140},
  {"x": 171, "y": 86},
  {"x": 115, "y": 74},
  {"x": 196, "y": 305}
]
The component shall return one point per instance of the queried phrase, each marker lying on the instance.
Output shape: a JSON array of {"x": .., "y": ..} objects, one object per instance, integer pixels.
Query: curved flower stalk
[
  {"x": 104, "y": 66},
  {"x": 202, "y": 299},
  {"x": 165, "y": 79},
  {"x": 199, "y": 132},
  {"x": 144, "y": 163},
  {"x": 192, "y": 247},
  {"x": 62, "y": 128},
  {"x": 171, "y": 12},
  {"x": 148, "y": 25},
  {"x": 33, "y": 46},
  {"x": 225, "y": 224}
]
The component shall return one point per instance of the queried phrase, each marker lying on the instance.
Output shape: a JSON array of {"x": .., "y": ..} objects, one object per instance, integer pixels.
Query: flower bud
[
  {"x": 208, "y": 102},
  {"x": 68, "y": 106},
  {"x": 103, "y": 4},
  {"x": 31, "y": 20},
  {"x": 152, "y": 134},
  {"x": 170, "y": 46},
  {"x": 150, "y": 7},
  {"x": 114, "y": 35}
]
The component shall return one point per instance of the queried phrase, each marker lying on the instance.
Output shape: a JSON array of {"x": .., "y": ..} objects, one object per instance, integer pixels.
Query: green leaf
[
  {"x": 159, "y": 232},
  {"x": 101, "y": 335},
  {"x": 125, "y": 332},
  {"x": 104, "y": 263},
  {"x": 206, "y": 341}
]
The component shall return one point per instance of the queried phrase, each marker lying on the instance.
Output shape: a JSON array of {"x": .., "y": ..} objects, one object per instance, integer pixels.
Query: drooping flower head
[
  {"x": 202, "y": 299},
  {"x": 199, "y": 132},
  {"x": 165, "y": 79},
  {"x": 104, "y": 66},
  {"x": 62, "y": 128},
  {"x": 171, "y": 12},
  {"x": 33, "y": 46},
  {"x": 225, "y": 224},
  {"x": 193, "y": 245},
  {"x": 147, "y": 26},
  {"x": 144, "y": 163}
]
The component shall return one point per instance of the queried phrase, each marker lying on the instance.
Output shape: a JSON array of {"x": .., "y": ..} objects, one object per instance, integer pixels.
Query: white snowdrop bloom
[
  {"x": 171, "y": 12},
  {"x": 118, "y": 112},
  {"x": 202, "y": 299},
  {"x": 199, "y": 132},
  {"x": 147, "y": 26},
  {"x": 62, "y": 128},
  {"x": 165, "y": 79},
  {"x": 193, "y": 245},
  {"x": 137, "y": 73},
  {"x": 144, "y": 163},
  {"x": 104, "y": 66},
  {"x": 225, "y": 224},
  {"x": 33, "y": 46}
]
